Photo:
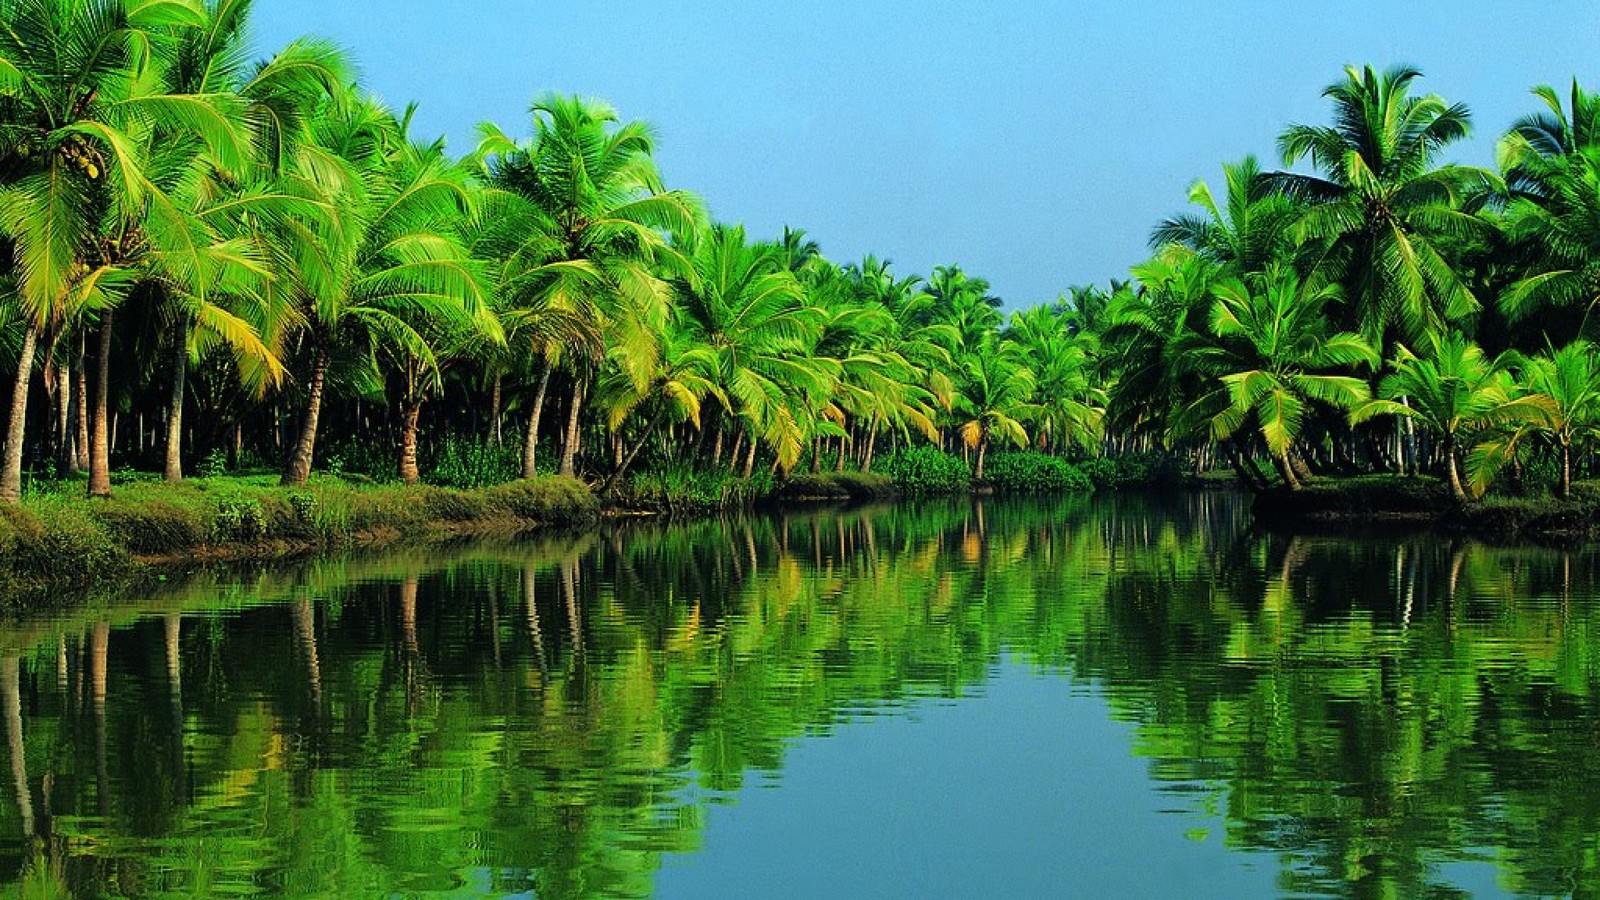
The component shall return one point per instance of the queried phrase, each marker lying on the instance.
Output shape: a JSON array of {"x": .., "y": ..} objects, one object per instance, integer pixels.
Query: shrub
[
  {"x": 1032, "y": 472},
  {"x": 927, "y": 470},
  {"x": 836, "y": 486},
  {"x": 463, "y": 462},
  {"x": 57, "y": 541},
  {"x": 1137, "y": 470},
  {"x": 681, "y": 488}
]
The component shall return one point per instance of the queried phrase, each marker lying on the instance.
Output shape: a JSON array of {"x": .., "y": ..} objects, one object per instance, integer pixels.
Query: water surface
[{"x": 1114, "y": 697}]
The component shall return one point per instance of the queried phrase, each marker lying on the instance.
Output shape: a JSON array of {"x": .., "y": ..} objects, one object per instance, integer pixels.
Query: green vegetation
[
  {"x": 214, "y": 265},
  {"x": 63, "y": 541}
]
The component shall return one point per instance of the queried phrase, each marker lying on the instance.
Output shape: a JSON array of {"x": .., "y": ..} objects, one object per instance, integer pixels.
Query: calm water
[{"x": 1099, "y": 698}]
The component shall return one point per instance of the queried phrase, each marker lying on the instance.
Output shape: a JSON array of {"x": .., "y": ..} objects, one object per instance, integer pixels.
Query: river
[{"x": 1113, "y": 696}]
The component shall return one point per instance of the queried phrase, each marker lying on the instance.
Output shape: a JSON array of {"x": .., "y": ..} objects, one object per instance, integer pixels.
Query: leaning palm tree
[
  {"x": 210, "y": 270},
  {"x": 590, "y": 221},
  {"x": 1381, "y": 204},
  {"x": 1456, "y": 392}
]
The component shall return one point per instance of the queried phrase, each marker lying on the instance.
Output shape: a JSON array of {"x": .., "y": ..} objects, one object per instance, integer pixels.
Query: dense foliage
[{"x": 210, "y": 260}]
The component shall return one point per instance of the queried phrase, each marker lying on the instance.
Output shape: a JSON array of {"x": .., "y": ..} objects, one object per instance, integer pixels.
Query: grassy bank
[
  {"x": 69, "y": 540},
  {"x": 1390, "y": 500}
]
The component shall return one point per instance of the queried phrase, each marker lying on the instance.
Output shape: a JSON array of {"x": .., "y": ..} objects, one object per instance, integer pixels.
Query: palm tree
[
  {"x": 594, "y": 220},
  {"x": 1381, "y": 204},
  {"x": 677, "y": 392},
  {"x": 1071, "y": 403},
  {"x": 752, "y": 313},
  {"x": 1552, "y": 165},
  {"x": 1568, "y": 380},
  {"x": 1273, "y": 356},
  {"x": 1455, "y": 391},
  {"x": 364, "y": 277},
  {"x": 994, "y": 398},
  {"x": 1248, "y": 231},
  {"x": 213, "y": 263}
]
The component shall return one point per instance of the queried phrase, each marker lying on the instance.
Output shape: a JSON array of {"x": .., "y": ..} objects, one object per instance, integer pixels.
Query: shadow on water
[{"x": 554, "y": 716}]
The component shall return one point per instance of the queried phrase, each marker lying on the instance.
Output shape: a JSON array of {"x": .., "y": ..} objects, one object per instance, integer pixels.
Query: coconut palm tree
[
  {"x": 1552, "y": 165},
  {"x": 1247, "y": 231},
  {"x": 363, "y": 278},
  {"x": 83, "y": 99},
  {"x": 594, "y": 221},
  {"x": 1381, "y": 204},
  {"x": 1568, "y": 381},
  {"x": 753, "y": 315},
  {"x": 1275, "y": 358},
  {"x": 1071, "y": 403},
  {"x": 213, "y": 265},
  {"x": 1455, "y": 391},
  {"x": 995, "y": 397}
]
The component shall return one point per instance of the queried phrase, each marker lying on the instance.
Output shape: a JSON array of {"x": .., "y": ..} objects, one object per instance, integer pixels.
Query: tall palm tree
[
  {"x": 594, "y": 220},
  {"x": 1381, "y": 204},
  {"x": 82, "y": 99},
  {"x": 1552, "y": 165},
  {"x": 214, "y": 266}
]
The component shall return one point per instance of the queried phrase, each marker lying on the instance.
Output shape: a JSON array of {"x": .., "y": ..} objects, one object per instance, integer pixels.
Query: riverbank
[
  {"x": 1391, "y": 501},
  {"x": 72, "y": 541},
  {"x": 59, "y": 539}
]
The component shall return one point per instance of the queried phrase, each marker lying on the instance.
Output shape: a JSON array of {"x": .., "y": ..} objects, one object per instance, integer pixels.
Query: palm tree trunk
[
  {"x": 56, "y": 398},
  {"x": 494, "y": 408},
  {"x": 750, "y": 458},
  {"x": 816, "y": 455},
  {"x": 80, "y": 400},
  {"x": 531, "y": 443},
  {"x": 1286, "y": 470},
  {"x": 838, "y": 466},
  {"x": 410, "y": 413},
  {"x": 180, "y": 366},
  {"x": 11, "y": 476},
  {"x": 638, "y": 445},
  {"x": 299, "y": 468},
  {"x": 983, "y": 448},
  {"x": 872, "y": 441},
  {"x": 738, "y": 448},
  {"x": 1566, "y": 470},
  {"x": 569, "y": 444},
  {"x": 1456, "y": 489},
  {"x": 65, "y": 454},
  {"x": 100, "y": 439}
]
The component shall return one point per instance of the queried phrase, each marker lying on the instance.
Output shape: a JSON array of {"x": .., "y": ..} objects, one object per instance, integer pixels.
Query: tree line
[{"x": 209, "y": 256}]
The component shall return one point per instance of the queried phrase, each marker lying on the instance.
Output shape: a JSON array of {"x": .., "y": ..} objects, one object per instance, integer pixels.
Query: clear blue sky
[{"x": 1035, "y": 144}]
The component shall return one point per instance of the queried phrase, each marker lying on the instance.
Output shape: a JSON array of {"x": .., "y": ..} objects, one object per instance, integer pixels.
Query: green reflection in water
[{"x": 553, "y": 717}]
